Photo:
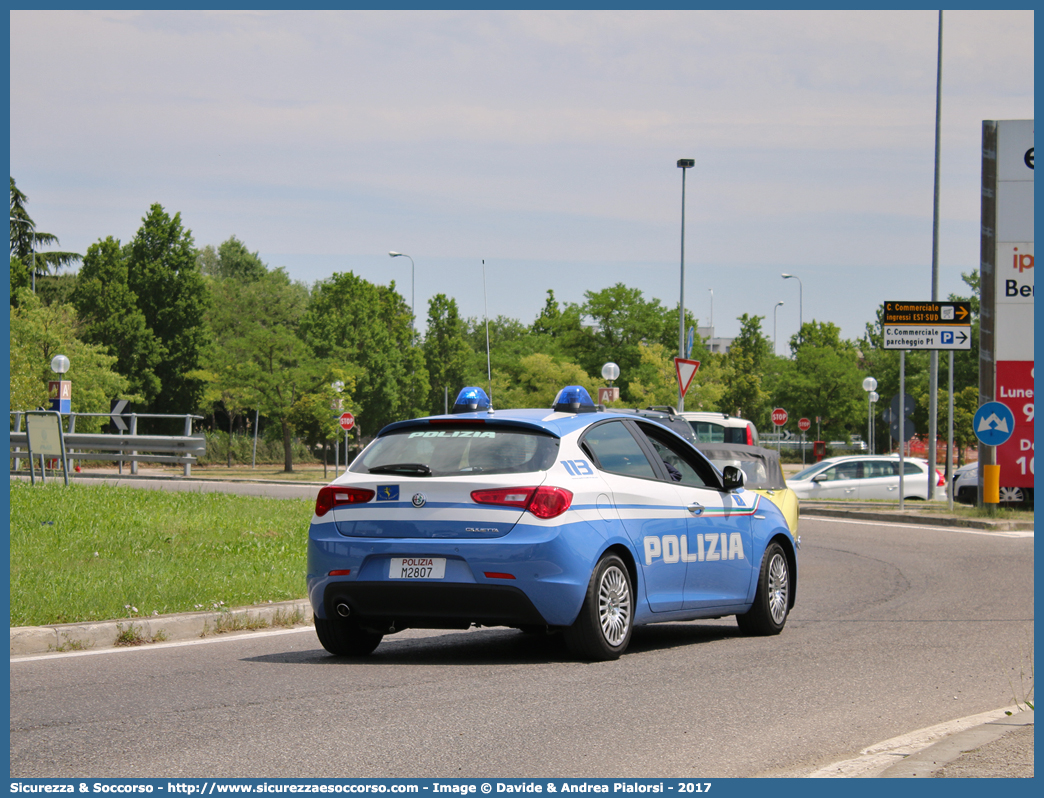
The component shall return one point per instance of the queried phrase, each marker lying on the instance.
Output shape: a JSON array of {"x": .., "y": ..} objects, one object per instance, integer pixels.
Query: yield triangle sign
[{"x": 686, "y": 371}]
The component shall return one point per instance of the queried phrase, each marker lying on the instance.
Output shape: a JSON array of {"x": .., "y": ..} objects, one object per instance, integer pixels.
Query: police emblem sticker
[{"x": 387, "y": 493}]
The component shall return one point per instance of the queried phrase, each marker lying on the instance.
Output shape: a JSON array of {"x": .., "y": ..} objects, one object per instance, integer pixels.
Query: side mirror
[
  {"x": 734, "y": 477},
  {"x": 819, "y": 478}
]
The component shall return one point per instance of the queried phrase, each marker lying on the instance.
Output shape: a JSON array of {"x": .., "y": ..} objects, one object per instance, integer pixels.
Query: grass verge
[
  {"x": 93, "y": 553},
  {"x": 241, "y": 622},
  {"x": 132, "y": 635}
]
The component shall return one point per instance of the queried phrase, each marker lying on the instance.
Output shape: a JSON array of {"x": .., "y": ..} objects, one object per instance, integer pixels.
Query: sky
[{"x": 542, "y": 143}]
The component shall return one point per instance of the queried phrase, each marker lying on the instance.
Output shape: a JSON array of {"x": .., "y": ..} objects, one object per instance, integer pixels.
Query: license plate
[{"x": 417, "y": 568}]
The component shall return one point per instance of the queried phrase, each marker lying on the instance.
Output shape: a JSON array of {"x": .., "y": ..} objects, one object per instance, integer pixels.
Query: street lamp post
[
  {"x": 801, "y": 301},
  {"x": 712, "y": 320},
  {"x": 413, "y": 291},
  {"x": 683, "y": 164},
  {"x": 33, "y": 228},
  {"x": 873, "y": 423},
  {"x": 870, "y": 386},
  {"x": 775, "y": 349}
]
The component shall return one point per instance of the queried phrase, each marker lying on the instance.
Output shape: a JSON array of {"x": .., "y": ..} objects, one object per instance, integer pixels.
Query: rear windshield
[
  {"x": 709, "y": 432},
  {"x": 450, "y": 449}
]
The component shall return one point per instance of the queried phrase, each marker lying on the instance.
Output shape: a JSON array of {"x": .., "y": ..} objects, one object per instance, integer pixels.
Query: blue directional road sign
[{"x": 993, "y": 423}]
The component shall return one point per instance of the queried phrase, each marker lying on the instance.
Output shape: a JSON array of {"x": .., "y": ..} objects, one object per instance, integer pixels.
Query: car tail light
[
  {"x": 335, "y": 495},
  {"x": 550, "y": 502},
  {"x": 543, "y": 502},
  {"x": 942, "y": 480},
  {"x": 513, "y": 497},
  {"x": 750, "y": 435}
]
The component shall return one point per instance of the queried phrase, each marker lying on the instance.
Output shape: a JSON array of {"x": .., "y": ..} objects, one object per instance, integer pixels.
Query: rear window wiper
[{"x": 401, "y": 468}]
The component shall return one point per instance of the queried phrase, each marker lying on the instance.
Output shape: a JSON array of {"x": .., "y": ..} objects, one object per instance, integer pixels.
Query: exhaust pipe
[{"x": 342, "y": 609}]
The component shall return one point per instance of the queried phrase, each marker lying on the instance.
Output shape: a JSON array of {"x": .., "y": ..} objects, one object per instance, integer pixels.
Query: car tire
[
  {"x": 1012, "y": 496},
  {"x": 768, "y": 614},
  {"x": 344, "y": 639},
  {"x": 603, "y": 628}
]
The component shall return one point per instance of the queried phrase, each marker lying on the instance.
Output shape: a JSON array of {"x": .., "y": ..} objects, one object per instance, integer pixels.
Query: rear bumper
[
  {"x": 383, "y": 606},
  {"x": 536, "y": 574}
]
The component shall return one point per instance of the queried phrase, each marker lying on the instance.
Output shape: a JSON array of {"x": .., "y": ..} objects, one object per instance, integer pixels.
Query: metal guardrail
[
  {"x": 121, "y": 447},
  {"x": 772, "y": 441}
]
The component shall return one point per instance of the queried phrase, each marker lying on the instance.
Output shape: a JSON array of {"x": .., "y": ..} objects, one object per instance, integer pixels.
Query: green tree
[
  {"x": 163, "y": 274},
  {"x": 26, "y": 240},
  {"x": 447, "y": 354},
  {"x": 655, "y": 381},
  {"x": 559, "y": 327},
  {"x": 509, "y": 342},
  {"x": 257, "y": 358},
  {"x": 742, "y": 373},
  {"x": 110, "y": 317},
  {"x": 965, "y": 361},
  {"x": 536, "y": 380},
  {"x": 965, "y": 403},
  {"x": 824, "y": 379},
  {"x": 315, "y": 420},
  {"x": 707, "y": 387},
  {"x": 231, "y": 260},
  {"x": 351, "y": 321},
  {"x": 38, "y": 333},
  {"x": 549, "y": 319},
  {"x": 20, "y": 277},
  {"x": 57, "y": 289},
  {"x": 883, "y": 365},
  {"x": 623, "y": 320},
  {"x": 753, "y": 341}
]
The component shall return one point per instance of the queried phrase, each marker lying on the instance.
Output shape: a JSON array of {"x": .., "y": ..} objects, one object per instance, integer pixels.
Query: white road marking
[
  {"x": 876, "y": 758},
  {"x": 228, "y": 638},
  {"x": 154, "y": 646},
  {"x": 962, "y": 530}
]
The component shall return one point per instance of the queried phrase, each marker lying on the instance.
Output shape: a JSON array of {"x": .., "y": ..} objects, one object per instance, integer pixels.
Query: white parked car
[
  {"x": 866, "y": 477},
  {"x": 721, "y": 428},
  {"x": 966, "y": 488}
]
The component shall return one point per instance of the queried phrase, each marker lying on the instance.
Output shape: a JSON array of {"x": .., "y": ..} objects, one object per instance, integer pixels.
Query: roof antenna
[{"x": 485, "y": 307}]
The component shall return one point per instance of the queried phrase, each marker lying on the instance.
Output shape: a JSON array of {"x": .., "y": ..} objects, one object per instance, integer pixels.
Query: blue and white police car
[{"x": 570, "y": 519}]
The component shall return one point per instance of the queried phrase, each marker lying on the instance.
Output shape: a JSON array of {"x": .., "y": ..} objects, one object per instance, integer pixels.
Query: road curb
[
  {"x": 924, "y": 764},
  {"x": 27, "y": 640},
  {"x": 923, "y": 520}
]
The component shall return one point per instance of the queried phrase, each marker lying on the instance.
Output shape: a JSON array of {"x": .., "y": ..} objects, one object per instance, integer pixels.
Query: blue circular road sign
[{"x": 993, "y": 423}]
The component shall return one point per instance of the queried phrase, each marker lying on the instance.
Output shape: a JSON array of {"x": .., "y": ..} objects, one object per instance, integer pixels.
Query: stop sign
[
  {"x": 779, "y": 416},
  {"x": 804, "y": 424},
  {"x": 347, "y": 421}
]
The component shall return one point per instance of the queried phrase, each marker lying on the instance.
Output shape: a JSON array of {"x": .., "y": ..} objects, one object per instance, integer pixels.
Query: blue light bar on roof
[
  {"x": 470, "y": 400},
  {"x": 574, "y": 399}
]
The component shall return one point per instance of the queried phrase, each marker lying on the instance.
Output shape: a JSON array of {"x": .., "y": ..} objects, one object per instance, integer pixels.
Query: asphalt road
[{"x": 896, "y": 628}]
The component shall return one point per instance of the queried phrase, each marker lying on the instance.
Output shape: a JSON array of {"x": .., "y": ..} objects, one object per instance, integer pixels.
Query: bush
[{"x": 269, "y": 450}]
